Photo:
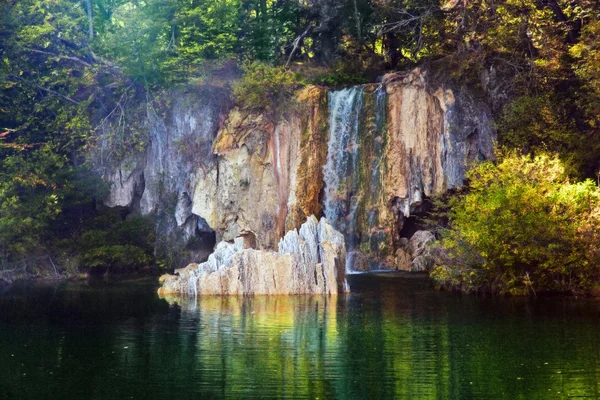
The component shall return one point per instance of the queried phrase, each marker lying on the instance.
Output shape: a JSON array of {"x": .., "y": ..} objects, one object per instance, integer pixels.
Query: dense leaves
[
  {"x": 52, "y": 89},
  {"x": 266, "y": 89},
  {"x": 523, "y": 227}
]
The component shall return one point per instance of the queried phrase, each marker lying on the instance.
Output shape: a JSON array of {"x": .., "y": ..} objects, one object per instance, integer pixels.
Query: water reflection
[
  {"x": 393, "y": 337},
  {"x": 278, "y": 345}
]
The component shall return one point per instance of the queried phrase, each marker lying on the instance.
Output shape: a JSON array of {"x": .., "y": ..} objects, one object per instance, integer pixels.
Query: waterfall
[
  {"x": 378, "y": 141},
  {"x": 340, "y": 169},
  {"x": 353, "y": 173}
]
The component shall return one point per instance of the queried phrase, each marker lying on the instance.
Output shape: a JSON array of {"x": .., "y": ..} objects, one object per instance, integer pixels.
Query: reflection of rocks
[
  {"x": 279, "y": 308},
  {"x": 417, "y": 253},
  {"x": 309, "y": 261}
]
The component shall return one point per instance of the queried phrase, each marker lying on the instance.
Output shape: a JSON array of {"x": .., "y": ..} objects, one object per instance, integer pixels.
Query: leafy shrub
[
  {"x": 522, "y": 227},
  {"x": 339, "y": 78},
  {"x": 109, "y": 242},
  {"x": 267, "y": 89},
  {"x": 544, "y": 123},
  {"x": 120, "y": 257}
]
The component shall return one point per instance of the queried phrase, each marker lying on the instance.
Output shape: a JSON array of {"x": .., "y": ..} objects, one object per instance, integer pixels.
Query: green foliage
[
  {"x": 160, "y": 42},
  {"x": 120, "y": 257},
  {"x": 587, "y": 68},
  {"x": 268, "y": 89},
  {"x": 267, "y": 28},
  {"x": 338, "y": 79},
  {"x": 543, "y": 123},
  {"x": 105, "y": 241},
  {"x": 134, "y": 37},
  {"x": 31, "y": 193},
  {"x": 522, "y": 226}
]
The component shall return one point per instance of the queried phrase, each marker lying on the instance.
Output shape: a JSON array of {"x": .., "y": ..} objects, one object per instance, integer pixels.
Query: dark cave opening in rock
[
  {"x": 204, "y": 239},
  {"x": 417, "y": 221}
]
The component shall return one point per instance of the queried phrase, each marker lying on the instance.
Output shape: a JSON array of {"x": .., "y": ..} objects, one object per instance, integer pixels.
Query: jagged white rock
[{"x": 309, "y": 261}]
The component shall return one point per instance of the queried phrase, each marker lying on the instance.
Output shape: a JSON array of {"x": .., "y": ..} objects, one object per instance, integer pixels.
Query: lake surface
[{"x": 393, "y": 337}]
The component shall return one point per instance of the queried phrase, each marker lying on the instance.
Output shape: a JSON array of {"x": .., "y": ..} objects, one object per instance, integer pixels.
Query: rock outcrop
[
  {"x": 416, "y": 254},
  {"x": 268, "y": 175},
  {"x": 310, "y": 260}
]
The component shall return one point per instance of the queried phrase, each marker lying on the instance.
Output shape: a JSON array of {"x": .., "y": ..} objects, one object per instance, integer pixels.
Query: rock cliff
[
  {"x": 309, "y": 261},
  {"x": 366, "y": 157}
]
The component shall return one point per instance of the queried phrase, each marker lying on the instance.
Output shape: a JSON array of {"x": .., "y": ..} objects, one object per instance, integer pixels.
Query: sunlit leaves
[
  {"x": 30, "y": 195},
  {"x": 523, "y": 225}
]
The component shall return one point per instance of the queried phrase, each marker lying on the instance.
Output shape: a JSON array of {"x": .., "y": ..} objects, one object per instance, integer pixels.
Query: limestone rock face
[
  {"x": 366, "y": 157},
  {"x": 309, "y": 261},
  {"x": 127, "y": 181},
  {"x": 358, "y": 261},
  {"x": 268, "y": 176},
  {"x": 161, "y": 179}
]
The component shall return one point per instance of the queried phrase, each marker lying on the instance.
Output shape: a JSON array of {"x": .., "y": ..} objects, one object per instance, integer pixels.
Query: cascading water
[
  {"x": 340, "y": 171},
  {"x": 378, "y": 140},
  {"x": 355, "y": 164}
]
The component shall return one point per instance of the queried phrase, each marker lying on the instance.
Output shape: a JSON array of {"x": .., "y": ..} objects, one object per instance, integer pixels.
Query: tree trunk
[
  {"x": 574, "y": 25},
  {"x": 88, "y": 4},
  {"x": 358, "y": 29},
  {"x": 391, "y": 45}
]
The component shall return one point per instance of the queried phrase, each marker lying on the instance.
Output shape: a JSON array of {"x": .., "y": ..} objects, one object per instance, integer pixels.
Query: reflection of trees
[
  {"x": 396, "y": 350},
  {"x": 408, "y": 343},
  {"x": 518, "y": 348},
  {"x": 312, "y": 347}
]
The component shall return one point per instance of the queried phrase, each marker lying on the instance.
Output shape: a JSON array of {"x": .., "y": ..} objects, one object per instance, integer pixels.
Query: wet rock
[
  {"x": 309, "y": 261},
  {"x": 358, "y": 261},
  {"x": 403, "y": 260},
  {"x": 391, "y": 147},
  {"x": 422, "y": 263}
]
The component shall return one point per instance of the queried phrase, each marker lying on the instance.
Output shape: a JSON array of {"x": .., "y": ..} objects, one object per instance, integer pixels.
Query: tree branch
[
  {"x": 59, "y": 56},
  {"x": 297, "y": 42},
  {"x": 50, "y": 91},
  {"x": 393, "y": 26}
]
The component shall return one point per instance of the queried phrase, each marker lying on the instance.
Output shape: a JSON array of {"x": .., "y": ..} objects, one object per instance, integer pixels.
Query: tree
[{"x": 522, "y": 227}]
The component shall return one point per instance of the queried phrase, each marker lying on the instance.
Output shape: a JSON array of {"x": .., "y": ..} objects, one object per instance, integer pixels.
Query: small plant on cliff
[
  {"x": 266, "y": 89},
  {"x": 522, "y": 227}
]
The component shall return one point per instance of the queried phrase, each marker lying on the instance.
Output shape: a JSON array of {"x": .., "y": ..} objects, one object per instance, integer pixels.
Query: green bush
[
  {"x": 522, "y": 227},
  {"x": 107, "y": 242},
  {"x": 544, "y": 123},
  {"x": 266, "y": 89},
  {"x": 338, "y": 79},
  {"x": 115, "y": 257}
]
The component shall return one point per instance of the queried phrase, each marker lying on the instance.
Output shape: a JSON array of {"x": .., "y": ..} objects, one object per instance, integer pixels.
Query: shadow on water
[{"x": 393, "y": 337}]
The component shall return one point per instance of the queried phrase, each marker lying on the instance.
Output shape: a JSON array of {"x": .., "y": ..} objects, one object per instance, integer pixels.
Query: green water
[{"x": 393, "y": 337}]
